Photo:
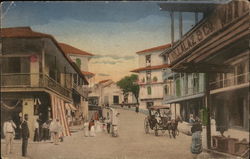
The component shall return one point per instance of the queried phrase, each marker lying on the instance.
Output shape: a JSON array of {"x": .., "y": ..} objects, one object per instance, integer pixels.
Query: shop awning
[{"x": 58, "y": 112}]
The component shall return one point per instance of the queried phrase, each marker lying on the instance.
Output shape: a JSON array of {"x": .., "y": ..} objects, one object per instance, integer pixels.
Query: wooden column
[
  {"x": 180, "y": 25},
  {"x": 207, "y": 103},
  {"x": 172, "y": 26}
]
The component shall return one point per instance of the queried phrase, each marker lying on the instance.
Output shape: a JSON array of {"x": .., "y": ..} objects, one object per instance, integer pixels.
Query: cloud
[
  {"x": 115, "y": 57},
  {"x": 103, "y": 74}
]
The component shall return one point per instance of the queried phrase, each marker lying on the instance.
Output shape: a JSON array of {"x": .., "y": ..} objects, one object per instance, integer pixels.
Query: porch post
[
  {"x": 207, "y": 103},
  {"x": 172, "y": 26}
]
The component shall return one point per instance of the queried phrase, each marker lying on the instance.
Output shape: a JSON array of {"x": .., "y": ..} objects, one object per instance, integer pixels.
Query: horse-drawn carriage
[{"x": 159, "y": 118}]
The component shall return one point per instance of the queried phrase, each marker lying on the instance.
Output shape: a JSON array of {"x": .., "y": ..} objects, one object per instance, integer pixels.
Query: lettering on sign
[{"x": 222, "y": 16}]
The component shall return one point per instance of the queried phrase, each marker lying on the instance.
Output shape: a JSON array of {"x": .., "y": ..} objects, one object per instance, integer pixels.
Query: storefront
[{"x": 211, "y": 47}]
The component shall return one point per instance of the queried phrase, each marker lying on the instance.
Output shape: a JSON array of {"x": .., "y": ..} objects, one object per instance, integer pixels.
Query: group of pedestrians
[
  {"x": 41, "y": 132},
  {"x": 9, "y": 133},
  {"x": 108, "y": 123}
]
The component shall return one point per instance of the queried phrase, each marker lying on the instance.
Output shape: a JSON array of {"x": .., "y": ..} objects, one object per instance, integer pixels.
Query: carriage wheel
[
  {"x": 156, "y": 130},
  {"x": 146, "y": 125}
]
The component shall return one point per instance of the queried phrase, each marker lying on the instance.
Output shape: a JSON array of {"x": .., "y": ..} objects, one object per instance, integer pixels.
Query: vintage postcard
[{"x": 125, "y": 79}]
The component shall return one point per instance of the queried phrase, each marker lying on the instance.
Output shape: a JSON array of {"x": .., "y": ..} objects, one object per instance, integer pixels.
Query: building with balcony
[
  {"x": 81, "y": 59},
  {"x": 37, "y": 78},
  {"x": 151, "y": 68},
  {"x": 218, "y": 46},
  {"x": 185, "y": 93}
]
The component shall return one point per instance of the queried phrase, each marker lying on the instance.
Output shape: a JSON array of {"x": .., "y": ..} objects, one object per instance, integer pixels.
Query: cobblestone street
[{"x": 132, "y": 143}]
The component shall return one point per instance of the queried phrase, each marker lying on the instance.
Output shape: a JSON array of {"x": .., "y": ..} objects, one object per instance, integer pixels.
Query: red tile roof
[
  {"x": 104, "y": 81},
  {"x": 88, "y": 73},
  {"x": 158, "y": 48},
  {"x": 150, "y": 68},
  {"x": 21, "y": 32},
  {"x": 27, "y": 32},
  {"x": 72, "y": 50}
]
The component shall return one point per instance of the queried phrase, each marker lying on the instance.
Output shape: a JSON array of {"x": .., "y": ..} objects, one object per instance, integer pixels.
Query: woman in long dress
[
  {"x": 196, "y": 146},
  {"x": 92, "y": 128},
  {"x": 86, "y": 128}
]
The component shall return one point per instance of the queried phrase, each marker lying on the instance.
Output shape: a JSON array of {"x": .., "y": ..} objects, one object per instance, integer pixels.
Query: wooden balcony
[{"x": 27, "y": 80}]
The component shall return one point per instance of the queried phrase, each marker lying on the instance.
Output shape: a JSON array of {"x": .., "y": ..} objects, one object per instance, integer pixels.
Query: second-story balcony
[
  {"x": 233, "y": 81},
  {"x": 27, "y": 80},
  {"x": 82, "y": 90}
]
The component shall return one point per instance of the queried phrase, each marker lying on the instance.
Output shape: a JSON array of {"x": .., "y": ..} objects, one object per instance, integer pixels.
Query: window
[
  {"x": 166, "y": 90},
  {"x": 149, "y": 90},
  {"x": 148, "y": 60},
  {"x": 78, "y": 62},
  {"x": 196, "y": 82},
  {"x": 148, "y": 76}
]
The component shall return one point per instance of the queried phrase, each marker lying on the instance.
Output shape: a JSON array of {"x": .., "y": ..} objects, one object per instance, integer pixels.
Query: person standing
[
  {"x": 191, "y": 119},
  {"x": 25, "y": 135},
  {"x": 86, "y": 128},
  {"x": 137, "y": 109},
  {"x": 36, "y": 134},
  {"x": 92, "y": 128},
  {"x": 9, "y": 133},
  {"x": 196, "y": 145},
  {"x": 55, "y": 129}
]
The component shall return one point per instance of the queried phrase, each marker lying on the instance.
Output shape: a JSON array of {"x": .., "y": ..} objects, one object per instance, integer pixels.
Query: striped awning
[
  {"x": 69, "y": 106},
  {"x": 58, "y": 112}
]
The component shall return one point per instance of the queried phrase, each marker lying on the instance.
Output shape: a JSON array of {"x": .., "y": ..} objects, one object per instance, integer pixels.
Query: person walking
[
  {"x": 9, "y": 133},
  {"x": 137, "y": 109},
  {"x": 25, "y": 135},
  {"x": 36, "y": 134},
  {"x": 55, "y": 129},
  {"x": 92, "y": 128},
  {"x": 196, "y": 145},
  {"x": 86, "y": 128}
]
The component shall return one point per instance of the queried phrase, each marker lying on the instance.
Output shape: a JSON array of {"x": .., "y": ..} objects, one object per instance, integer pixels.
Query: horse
[{"x": 172, "y": 127}]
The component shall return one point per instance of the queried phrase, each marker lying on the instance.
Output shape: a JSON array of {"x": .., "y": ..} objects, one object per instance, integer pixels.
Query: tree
[{"x": 129, "y": 84}]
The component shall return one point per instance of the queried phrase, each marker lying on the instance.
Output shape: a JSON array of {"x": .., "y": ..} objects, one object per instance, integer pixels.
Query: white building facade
[{"x": 150, "y": 73}]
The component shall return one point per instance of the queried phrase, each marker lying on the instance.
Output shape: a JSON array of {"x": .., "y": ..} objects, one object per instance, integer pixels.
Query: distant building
[
  {"x": 81, "y": 59},
  {"x": 37, "y": 78},
  {"x": 151, "y": 68},
  {"x": 107, "y": 93}
]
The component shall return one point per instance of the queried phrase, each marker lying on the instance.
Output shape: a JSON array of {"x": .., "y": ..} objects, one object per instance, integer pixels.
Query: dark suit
[{"x": 25, "y": 137}]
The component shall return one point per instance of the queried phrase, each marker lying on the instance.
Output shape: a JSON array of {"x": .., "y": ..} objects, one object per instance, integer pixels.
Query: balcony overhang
[
  {"x": 183, "y": 98},
  {"x": 190, "y": 6},
  {"x": 220, "y": 36}
]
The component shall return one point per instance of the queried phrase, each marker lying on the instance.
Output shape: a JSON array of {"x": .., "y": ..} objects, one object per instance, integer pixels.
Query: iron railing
[{"x": 230, "y": 81}]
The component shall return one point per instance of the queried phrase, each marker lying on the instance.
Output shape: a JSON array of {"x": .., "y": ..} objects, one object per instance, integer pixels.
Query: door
[{"x": 116, "y": 99}]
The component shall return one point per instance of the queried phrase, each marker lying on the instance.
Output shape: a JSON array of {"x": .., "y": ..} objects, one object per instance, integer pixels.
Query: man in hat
[
  {"x": 25, "y": 134},
  {"x": 9, "y": 133}
]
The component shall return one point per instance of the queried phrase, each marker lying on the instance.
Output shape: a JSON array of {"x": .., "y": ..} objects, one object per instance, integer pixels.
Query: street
[{"x": 132, "y": 143}]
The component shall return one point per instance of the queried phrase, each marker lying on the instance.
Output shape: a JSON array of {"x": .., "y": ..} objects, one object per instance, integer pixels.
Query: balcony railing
[
  {"x": 18, "y": 80},
  {"x": 231, "y": 81},
  {"x": 184, "y": 93},
  {"x": 82, "y": 90}
]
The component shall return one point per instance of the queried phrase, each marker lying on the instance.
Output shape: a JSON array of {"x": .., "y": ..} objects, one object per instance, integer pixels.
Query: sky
[{"x": 112, "y": 31}]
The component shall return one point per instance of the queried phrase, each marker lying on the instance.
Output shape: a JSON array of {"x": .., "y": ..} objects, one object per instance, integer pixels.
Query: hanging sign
[
  {"x": 220, "y": 18},
  {"x": 33, "y": 58}
]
